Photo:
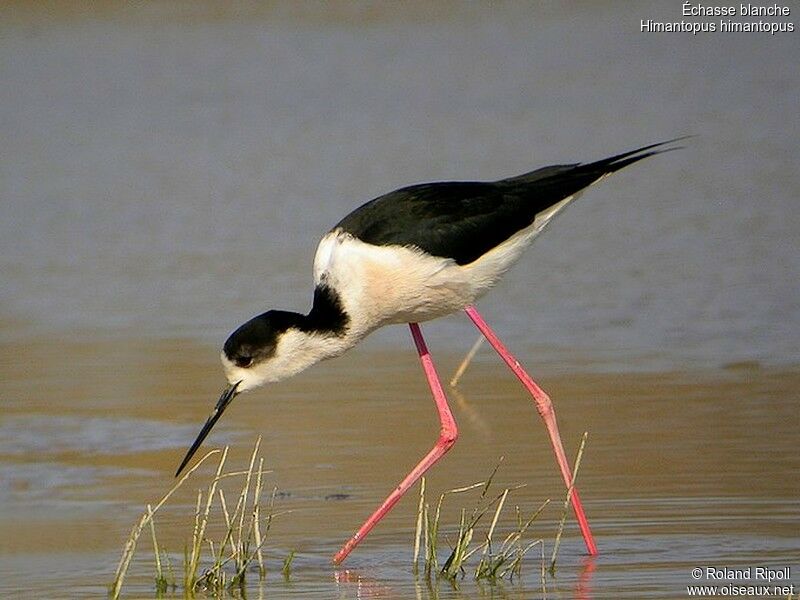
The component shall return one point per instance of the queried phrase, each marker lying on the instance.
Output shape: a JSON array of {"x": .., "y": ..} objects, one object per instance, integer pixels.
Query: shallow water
[
  {"x": 167, "y": 171},
  {"x": 681, "y": 470}
]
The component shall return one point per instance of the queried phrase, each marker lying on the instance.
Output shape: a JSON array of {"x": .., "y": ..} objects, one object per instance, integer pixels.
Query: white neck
[{"x": 295, "y": 351}]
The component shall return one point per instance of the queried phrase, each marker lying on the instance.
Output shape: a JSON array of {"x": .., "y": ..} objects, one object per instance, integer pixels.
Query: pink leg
[
  {"x": 546, "y": 411},
  {"x": 447, "y": 437}
]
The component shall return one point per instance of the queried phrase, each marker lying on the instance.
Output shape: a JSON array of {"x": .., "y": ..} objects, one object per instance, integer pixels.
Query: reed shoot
[{"x": 227, "y": 559}]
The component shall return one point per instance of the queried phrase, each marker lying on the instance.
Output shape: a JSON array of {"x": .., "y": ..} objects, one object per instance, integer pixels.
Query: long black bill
[{"x": 225, "y": 399}]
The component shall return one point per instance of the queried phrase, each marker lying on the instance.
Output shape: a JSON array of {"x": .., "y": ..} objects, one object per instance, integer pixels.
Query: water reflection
[
  {"x": 472, "y": 412},
  {"x": 583, "y": 589},
  {"x": 352, "y": 584}
]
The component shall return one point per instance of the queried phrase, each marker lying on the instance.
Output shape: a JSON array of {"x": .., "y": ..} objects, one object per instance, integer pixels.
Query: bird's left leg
[
  {"x": 545, "y": 407},
  {"x": 447, "y": 437}
]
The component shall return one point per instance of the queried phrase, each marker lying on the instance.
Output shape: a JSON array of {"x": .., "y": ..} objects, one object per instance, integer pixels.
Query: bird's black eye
[{"x": 244, "y": 361}]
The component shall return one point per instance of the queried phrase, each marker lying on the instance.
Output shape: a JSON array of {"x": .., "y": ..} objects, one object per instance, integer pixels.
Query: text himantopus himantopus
[{"x": 409, "y": 256}]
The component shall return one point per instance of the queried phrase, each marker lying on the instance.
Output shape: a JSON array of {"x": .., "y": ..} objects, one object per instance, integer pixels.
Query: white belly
[{"x": 381, "y": 285}]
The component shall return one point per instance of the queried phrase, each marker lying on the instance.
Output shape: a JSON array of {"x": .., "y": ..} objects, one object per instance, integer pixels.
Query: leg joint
[
  {"x": 544, "y": 406},
  {"x": 448, "y": 436}
]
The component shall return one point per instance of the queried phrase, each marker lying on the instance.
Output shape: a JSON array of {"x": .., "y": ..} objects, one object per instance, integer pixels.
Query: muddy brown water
[
  {"x": 167, "y": 169},
  {"x": 681, "y": 470}
]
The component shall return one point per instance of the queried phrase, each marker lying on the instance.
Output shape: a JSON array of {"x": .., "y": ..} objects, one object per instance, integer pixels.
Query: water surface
[
  {"x": 681, "y": 470},
  {"x": 167, "y": 170}
]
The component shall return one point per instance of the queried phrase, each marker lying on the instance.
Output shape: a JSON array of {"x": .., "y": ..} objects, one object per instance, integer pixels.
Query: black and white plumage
[{"x": 412, "y": 255}]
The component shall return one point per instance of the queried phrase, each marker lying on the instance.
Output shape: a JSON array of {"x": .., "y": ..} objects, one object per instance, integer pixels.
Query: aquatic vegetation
[
  {"x": 219, "y": 566},
  {"x": 497, "y": 560},
  {"x": 228, "y": 559}
]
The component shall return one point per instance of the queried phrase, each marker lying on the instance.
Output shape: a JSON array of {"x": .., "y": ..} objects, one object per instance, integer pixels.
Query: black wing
[{"x": 464, "y": 220}]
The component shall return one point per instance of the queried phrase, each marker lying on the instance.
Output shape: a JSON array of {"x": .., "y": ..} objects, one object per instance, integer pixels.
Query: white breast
[{"x": 379, "y": 285}]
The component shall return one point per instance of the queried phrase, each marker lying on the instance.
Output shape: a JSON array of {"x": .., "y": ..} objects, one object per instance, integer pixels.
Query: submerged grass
[
  {"x": 498, "y": 559},
  {"x": 462, "y": 367},
  {"x": 227, "y": 560},
  {"x": 219, "y": 566}
]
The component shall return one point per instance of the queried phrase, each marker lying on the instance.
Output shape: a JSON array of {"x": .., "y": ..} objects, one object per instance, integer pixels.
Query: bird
[{"x": 412, "y": 255}]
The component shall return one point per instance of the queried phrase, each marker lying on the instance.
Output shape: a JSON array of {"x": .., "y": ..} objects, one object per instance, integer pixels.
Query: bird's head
[
  {"x": 266, "y": 348},
  {"x": 255, "y": 353}
]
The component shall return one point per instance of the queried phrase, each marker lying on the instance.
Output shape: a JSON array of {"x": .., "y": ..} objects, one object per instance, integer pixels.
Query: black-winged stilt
[{"x": 409, "y": 256}]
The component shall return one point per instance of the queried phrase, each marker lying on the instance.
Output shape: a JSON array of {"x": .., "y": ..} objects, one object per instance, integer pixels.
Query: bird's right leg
[
  {"x": 545, "y": 407},
  {"x": 447, "y": 437}
]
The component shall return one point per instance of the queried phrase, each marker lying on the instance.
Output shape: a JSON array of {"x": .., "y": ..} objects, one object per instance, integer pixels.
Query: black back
[{"x": 464, "y": 220}]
